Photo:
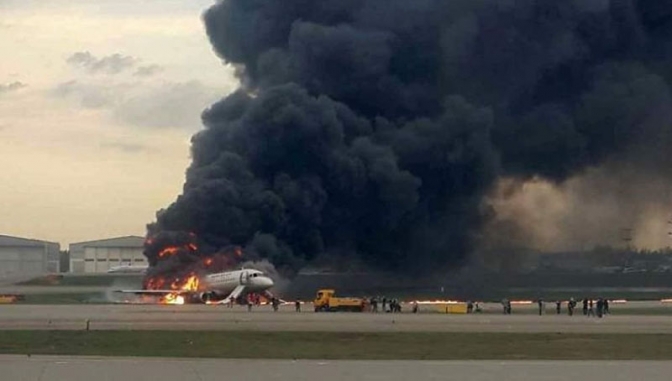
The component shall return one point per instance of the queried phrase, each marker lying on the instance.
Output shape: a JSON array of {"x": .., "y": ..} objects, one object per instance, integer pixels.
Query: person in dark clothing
[
  {"x": 384, "y": 304},
  {"x": 600, "y": 307},
  {"x": 570, "y": 306},
  {"x": 540, "y": 302},
  {"x": 558, "y": 307},
  {"x": 374, "y": 304},
  {"x": 297, "y": 305},
  {"x": 585, "y": 306},
  {"x": 606, "y": 306}
]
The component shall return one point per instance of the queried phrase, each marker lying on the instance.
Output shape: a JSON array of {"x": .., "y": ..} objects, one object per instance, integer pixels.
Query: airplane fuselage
[
  {"x": 224, "y": 283},
  {"x": 130, "y": 269},
  {"x": 219, "y": 287}
]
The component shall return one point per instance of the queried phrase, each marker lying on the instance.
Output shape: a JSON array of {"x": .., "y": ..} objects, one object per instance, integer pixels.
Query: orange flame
[
  {"x": 172, "y": 250},
  {"x": 208, "y": 261},
  {"x": 439, "y": 302},
  {"x": 173, "y": 299},
  {"x": 155, "y": 283},
  {"x": 190, "y": 284}
]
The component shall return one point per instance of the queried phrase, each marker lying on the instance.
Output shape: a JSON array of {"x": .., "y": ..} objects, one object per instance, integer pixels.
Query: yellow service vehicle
[{"x": 327, "y": 301}]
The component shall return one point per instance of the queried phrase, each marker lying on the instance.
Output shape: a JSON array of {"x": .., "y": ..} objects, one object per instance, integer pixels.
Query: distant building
[
  {"x": 21, "y": 257},
  {"x": 99, "y": 256}
]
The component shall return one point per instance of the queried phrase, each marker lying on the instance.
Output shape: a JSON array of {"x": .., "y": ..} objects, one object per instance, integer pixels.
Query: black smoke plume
[{"x": 376, "y": 128}]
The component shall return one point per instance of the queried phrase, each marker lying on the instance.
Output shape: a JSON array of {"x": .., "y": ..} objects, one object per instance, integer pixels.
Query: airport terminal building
[
  {"x": 23, "y": 257},
  {"x": 99, "y": 256}
]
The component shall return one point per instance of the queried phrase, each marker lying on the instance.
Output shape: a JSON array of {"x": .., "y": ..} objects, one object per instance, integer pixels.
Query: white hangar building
[
  {"x": 99, "y": 256},
  {"x": 21, "y": 257}
]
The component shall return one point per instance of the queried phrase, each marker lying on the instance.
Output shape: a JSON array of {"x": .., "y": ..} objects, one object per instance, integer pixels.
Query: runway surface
[
  {"x": 48, "y": 368},
  {"x": 201, "y": 317}
]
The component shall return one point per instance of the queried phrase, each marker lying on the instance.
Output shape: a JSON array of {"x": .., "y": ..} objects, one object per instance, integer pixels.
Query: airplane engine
[{"x": 208, "y": 297}]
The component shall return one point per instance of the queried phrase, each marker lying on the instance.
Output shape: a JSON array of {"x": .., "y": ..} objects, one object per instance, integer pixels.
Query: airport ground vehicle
[{"x": 326, "y": 300}]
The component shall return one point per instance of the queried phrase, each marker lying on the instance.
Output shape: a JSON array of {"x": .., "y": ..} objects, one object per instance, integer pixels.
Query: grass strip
[{"x": 334, "y": 345}]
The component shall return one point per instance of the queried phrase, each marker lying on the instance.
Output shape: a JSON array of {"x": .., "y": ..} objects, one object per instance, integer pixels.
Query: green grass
[
  {"x": 64, "y": 298},
  {"x": 331, "y": 345}
]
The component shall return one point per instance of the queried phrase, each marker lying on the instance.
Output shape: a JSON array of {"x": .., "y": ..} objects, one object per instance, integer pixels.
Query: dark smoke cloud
[{"x": 376, "y": 128}]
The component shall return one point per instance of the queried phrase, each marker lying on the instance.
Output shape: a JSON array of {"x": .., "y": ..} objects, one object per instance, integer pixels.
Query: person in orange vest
[{"x": 250, "y": 301}]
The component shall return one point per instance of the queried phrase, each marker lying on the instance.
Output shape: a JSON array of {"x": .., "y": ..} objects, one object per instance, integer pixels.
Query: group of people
[
  {"x": 475, "y": 307},
  {"x": 388, "y": 305},
  {"x": 253, "y": 299},
  {"x": 599, "y": 307}
]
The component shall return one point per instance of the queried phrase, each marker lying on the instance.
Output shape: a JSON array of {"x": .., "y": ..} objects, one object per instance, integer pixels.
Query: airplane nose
[{"x": 266, "y": 282}]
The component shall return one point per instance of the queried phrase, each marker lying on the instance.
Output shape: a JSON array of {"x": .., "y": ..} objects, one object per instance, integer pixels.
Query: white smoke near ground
[
  {"x": 612, "y": 205},
  {"x": 124, "y": 283}
]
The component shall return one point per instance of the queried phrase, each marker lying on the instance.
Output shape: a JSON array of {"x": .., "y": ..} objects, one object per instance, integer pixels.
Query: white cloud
[
  {"x": 143, "y": 104},
  {"x": 148, "y": 70},
  {"x": 124, "y": 146},
  {"x": 11, "y": 87},
  {"x": 87, "y": 95},
  {"x": 172, "y": 105},
  {"x": 112, "y": 64}
]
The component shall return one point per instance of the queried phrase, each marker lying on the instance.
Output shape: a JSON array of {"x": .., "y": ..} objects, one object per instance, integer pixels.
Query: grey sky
[{"x": 98, "y": 101}]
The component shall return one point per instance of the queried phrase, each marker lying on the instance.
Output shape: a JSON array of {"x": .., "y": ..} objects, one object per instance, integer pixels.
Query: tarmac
[
  {"x": 219, "y": 317},
  {"x": 51, "y": 368}
]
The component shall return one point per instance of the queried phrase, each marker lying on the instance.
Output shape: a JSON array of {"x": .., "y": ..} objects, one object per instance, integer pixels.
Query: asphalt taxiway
[
  {"x": 201, "y": 317},
  {"x": 51, "y": 368}
]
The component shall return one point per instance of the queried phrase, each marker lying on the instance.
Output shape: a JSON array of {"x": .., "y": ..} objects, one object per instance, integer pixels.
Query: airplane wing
[
  {"x": 234, "y": 294},
  {"x": 153, "y": 292}
]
